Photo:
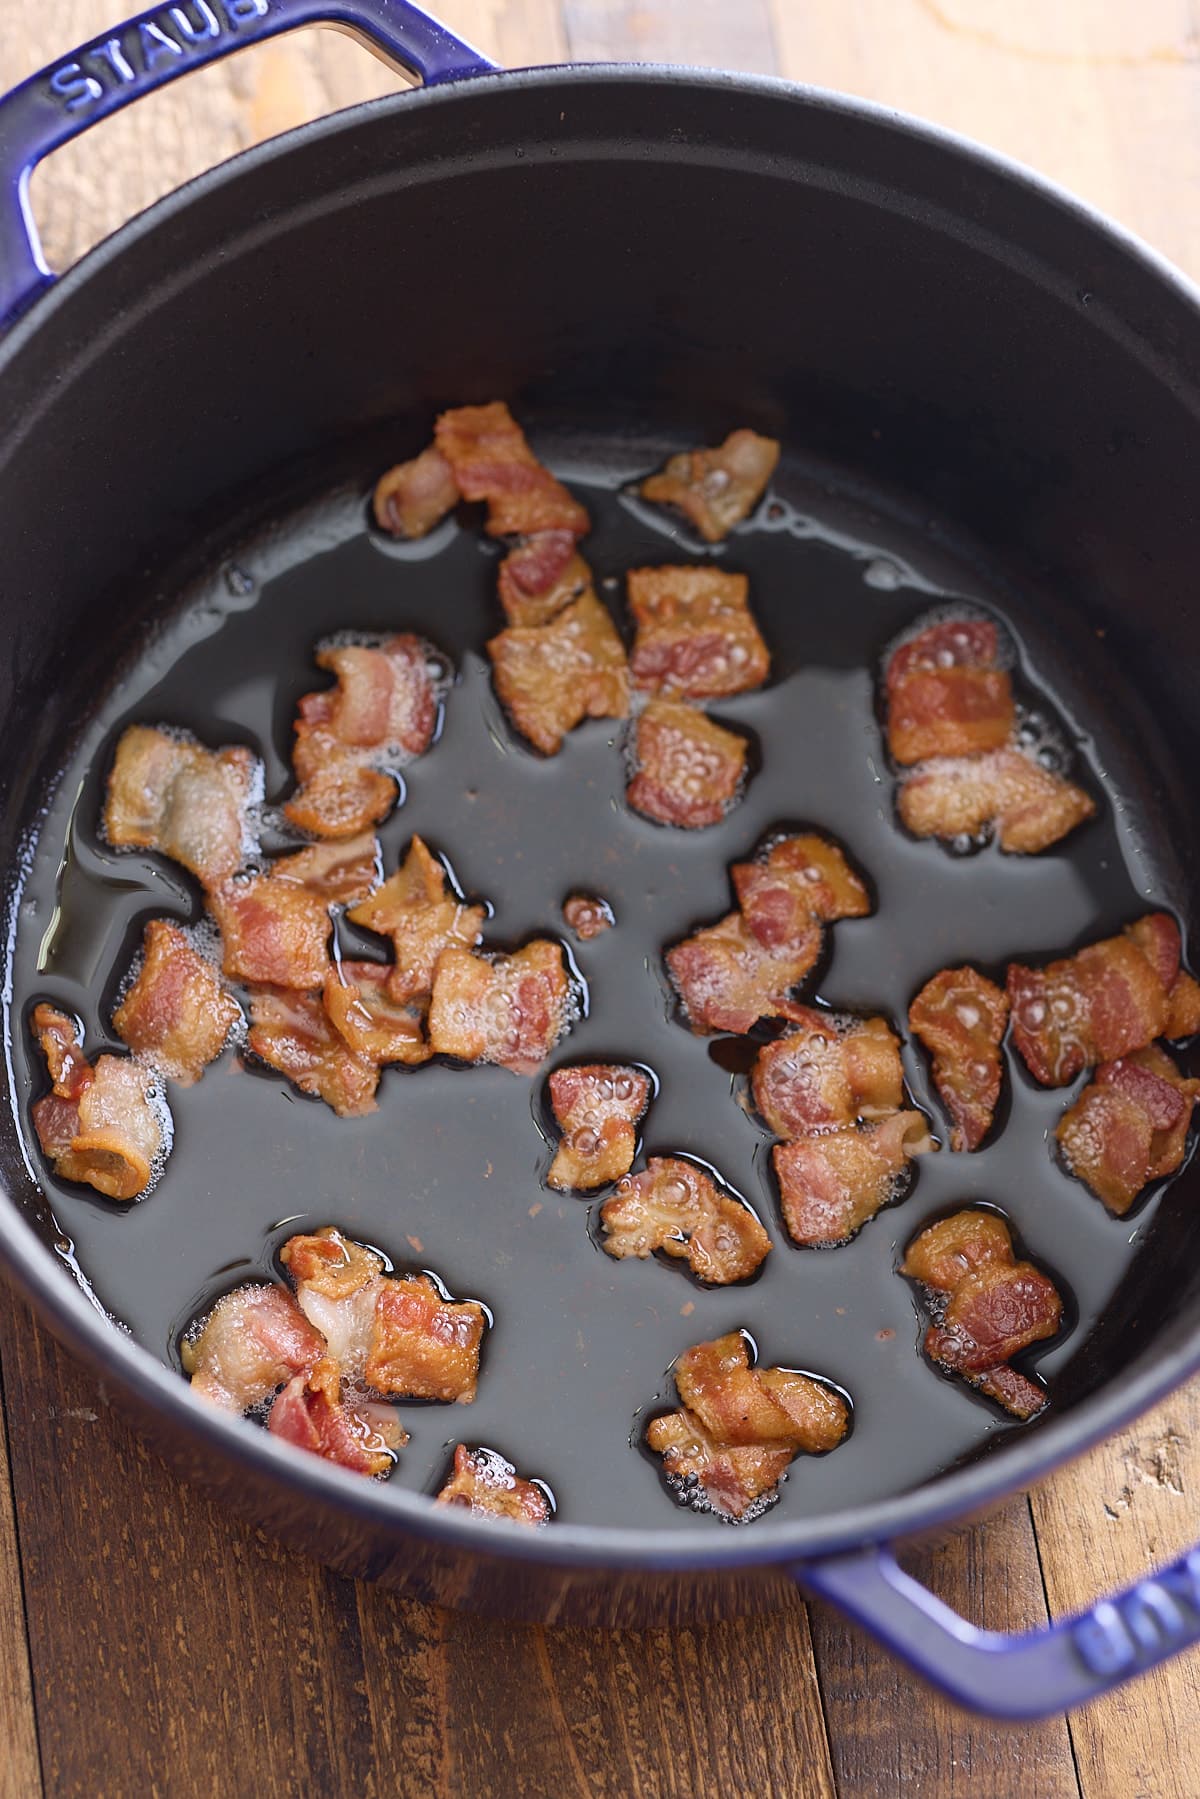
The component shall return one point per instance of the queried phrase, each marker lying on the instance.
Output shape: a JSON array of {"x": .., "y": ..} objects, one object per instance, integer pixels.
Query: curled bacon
[
  {"x": 167, "y": 792},
  {"x": 946, "y": 696},
  {"x": 740, "y": 1426},
  {"x": 985, "y": 1306},
  {"x": 1030, "y": 807},
  {"x": 716, "y": 489},
  {"x": 490, "y": 1487},
  {"x": 550, "y": 677},
  {"x": 413, "y": 497},
  {"x": 696, "y": 637},
  {"x": 830, "y": 1185},
  {"x": 313, "y": 1413},
  {"x": 375, "y": 1026},
  {"x": 688, "y": 770},
  {"x": 510, "y": 1010},
  {"x": 349, "y": 738},
  {"x": 422, "y": 915},
  {"x": 98, "y": 1125},
  {"x": 960, "y": 1017},
  {"x": 1129, "y": 1126},
  {"x": 251, "y": 1343},
  {"x": 597, "y": 1108},
  {"x": 828, "y": 1074},
  {"x": 675, "y": 1207},
  {"x": 424, "y": 1346},
  {"x": 176, "y": 1014},
  {"x": 292, "y": 1032},
  {"x": 491, "y": 460},
  {"x": 587, "y": 915},
  {"x": 338, "y": 1283},
  {"x": 1107, "y": 1000}
]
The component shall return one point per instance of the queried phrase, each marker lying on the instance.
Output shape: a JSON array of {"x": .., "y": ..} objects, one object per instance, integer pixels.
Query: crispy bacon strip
[
  {"x": 946, "y": 696},
  {"x": 1129, "y": 1126},
  {"x": 251, "y": 1343},
  {"x": 313, "y": 1413},
  {"x": 831, "y": 1185},
  {"x": 551, "y": 677},
  {"x": 587, "y": 915},
  {"x": 510, "y": 1010},
  {"x": 98, "y": 1125},
  {"x": 424, "y": 1346},
  {"x": 341, "y": 872},
  {"x": 541, "y": 577},
  {"x": 597, "y": 1108},
  {"x": 375, "y": 1026},
  {"x": 716, "y": 489},
  {"x": 292, "y": 1032},
  {"x": 166, "y": 792},
  {"x": 176, "y": 1014},
  {"x": 688, "y": 770},
  {"x": 381, "y": 713},
  {"x": 338, "y": 1283},
  {"x": 796, "y": 879},
  {"x": 739, "y": 1427},
  {"x": 275, "y": 927},
  {"x": 674, "y": 1207},
  {"x": 985, "y": 1306},
  {"x": 491, "y": 461},
  {"x": 1107, "y": 1000},
  {"x": 490, "y": 1487},
  {"x": 413, "y": 497},
  {"x": 830, "y": 1073},
  {"x": 696, "y": 637},
  {"x": 1029, "y": 807},
  {"x": 960, "y": 1016},
  {"x": 417, "y": 908}
]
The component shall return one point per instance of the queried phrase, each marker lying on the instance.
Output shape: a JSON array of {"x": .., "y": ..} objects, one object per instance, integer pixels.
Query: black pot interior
[{"x": 634, "y": 263}]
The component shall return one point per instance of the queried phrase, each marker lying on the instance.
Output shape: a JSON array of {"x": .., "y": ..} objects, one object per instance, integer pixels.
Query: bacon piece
[
  {"x": 358, "y": 1000},
  {"x": 382, "y": 712},
  {"x": 176, "y": 1014},
  {"x": 541, "y": 576},
  {"x": 830, "y": 1073},
  {"x": 985, "y": 1306},
  {"x": 597, "y": 1108},
  {"x": 696, "y": 637},
  {"x": 250, "y": 1343},
  {"x": 99, "y": 1125},
  {"x": 490, "y": 1487},
  {"x": 312, "y": 1414},
  {"x": 422, "y": 915},
  {"x": 167, "y": 792},
  {"x": 587, "y": 915},
  {"x": 688, "y": 769},
  {"x": 1107, "y": 1000},
  {"x": 675, "y": 1207},
  {"x": 716, "y": 489},
  {"x": 341, "y": 872},
  {"x": 1029, "y": 806},
  {"x": 551, "y": 677},
  {"x": 62, "y": 1045},
  {"x": 1129, "y": 1126},
  {"x": 273, "y": 932},
  {"x": 950, "y": 643},
  {"x": 338, "y": 1284},
  {"x": 292, "y": 1032},
  {"x": 740, "y": 1427},
  {"x": 422, "y": 1345},
  {"x": 1157, "y": 936},
  {"x": 946, "y": 697},
  {"x": 413, "y": 497},
  {"x": 960, "y": 1017},
  {"x": 831, "y": 1185},
  {"x": 491, "y": 461},
  {"x": 511, "y": 1010},
  {"x": 797, "y": 879}
]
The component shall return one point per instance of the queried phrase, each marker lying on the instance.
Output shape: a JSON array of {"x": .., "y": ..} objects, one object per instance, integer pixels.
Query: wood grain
[{"x": 20, "y": 1774}]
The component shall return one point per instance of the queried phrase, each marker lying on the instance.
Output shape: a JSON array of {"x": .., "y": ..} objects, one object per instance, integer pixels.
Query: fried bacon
[
  {"x": 716, "y": 489},
  {"x": 490, "y": 1487},
  {"x": 98, "y": 1125},
  {"x": 731, "y": 974},
  {"x": 985, "y": 1306},
  {"x": 688, "y": 769},
  {"x": 251, "y": 1343},
  {"x": 587, "y": 915},
  {"x": 422, "y": 1345},
  {"x": 829, "y": 1074},
  {"x": 167, "y": 792},
  {"x": 960, "y": 1017},
  {"x": 413, "y": 497},
  {"x": 275, "y": 927},
  {"x": 292, "y": 1032},
  {"x": 510, "y": 1010},
  {"x": 542, "y": 576},
  {"x": 338, "y": 1283},
  {"x": 176, "y": 1014},
  {"x": 417, "y": 908},
  {"x": 550, "y": 677},
  {"x": 945, "y": 694},
  {"x": 375, "y": 1026},
  {"x": 831, "y": 1184},
  {"x": 1129, "y": 1126},
  {"x": 1029, "y": 807},
  {"x": 1107, "y": 1000},
  {"x": 597, "y": 1108},
  {"x": 675, "y": 1207},
  {"x": 341, "y": 872},
  {"x": 313, "y": 1413},
  {"x": 739, "y": 1426},
  {"x": 696, "y": 637},
  {"x": 491, "y": 460},
  {"x": 381, "y": 713}
]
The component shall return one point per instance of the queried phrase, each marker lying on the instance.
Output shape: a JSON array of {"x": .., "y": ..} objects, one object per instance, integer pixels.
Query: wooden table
[{"x": 149, "y": 1646}]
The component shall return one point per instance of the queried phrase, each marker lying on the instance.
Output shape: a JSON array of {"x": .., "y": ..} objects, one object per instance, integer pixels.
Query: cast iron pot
[{"x": 624, "y": 242}]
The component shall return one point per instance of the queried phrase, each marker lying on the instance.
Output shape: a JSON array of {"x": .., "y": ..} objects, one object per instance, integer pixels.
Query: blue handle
[
  {"x": 156, "y": 47},
  {"x": 1029, "y": 1676}
]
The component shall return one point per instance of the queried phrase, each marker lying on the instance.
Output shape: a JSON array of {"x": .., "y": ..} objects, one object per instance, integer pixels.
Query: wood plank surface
[{"x": 150, "y": 1646}]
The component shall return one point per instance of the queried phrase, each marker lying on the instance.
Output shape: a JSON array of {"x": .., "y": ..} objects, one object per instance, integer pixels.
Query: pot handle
[
  {"x": 156, "y": 47},
  {"x": 1028, "y": 1676}
]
